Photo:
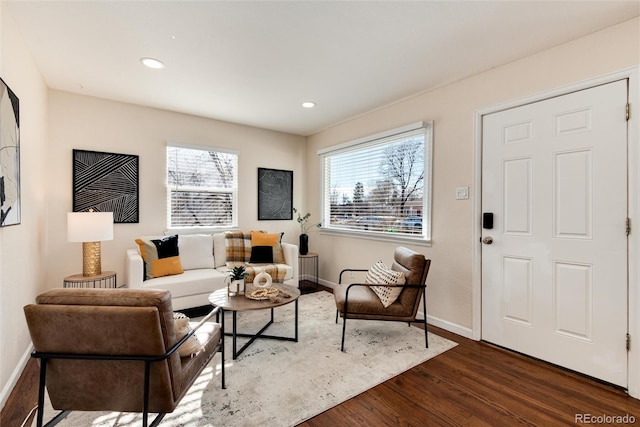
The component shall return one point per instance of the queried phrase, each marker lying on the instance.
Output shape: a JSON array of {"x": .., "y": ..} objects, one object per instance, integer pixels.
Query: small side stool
[
  {"x": 107, "y": 279},
  {"x": 308, "y": 268}
]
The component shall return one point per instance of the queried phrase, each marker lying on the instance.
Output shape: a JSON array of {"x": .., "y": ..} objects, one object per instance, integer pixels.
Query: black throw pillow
[{"x": 261, "y": 255}]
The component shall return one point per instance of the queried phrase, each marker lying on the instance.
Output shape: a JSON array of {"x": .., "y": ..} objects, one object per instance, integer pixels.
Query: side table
[
  {"x": 107, "y": 279},
  {"x": 308, "y": 268}
]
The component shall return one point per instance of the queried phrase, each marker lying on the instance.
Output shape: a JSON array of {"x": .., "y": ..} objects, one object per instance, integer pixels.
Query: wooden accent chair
[
  {"x": 358, "y": 301},
  {"x": 115, "y": 350}
]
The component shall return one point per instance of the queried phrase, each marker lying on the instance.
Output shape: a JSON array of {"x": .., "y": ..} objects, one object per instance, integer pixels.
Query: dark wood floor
[
  {"x": 477, "y": 384},
  {"x": 473, "y": 384}
]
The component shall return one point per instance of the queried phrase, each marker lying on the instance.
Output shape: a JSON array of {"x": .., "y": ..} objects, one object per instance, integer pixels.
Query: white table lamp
[{"x": 90, "y": 228}]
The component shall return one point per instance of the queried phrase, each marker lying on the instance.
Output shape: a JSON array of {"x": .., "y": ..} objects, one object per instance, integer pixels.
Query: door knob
[{"x": 487, "y": 240}]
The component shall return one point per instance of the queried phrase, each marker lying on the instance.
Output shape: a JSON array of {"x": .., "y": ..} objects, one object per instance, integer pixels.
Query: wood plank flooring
[
  {"x": 477, "y": 384},
  {"x": 473, "y": 384}
]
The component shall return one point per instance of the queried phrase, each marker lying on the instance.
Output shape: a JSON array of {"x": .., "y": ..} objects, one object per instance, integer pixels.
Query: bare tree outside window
[
  {"x": 379, "y": 186},
  {"x": 403, "y": 165}
]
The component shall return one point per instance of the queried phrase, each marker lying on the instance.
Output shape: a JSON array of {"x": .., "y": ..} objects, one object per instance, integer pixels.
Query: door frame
[{"x": 633, "y": 200}]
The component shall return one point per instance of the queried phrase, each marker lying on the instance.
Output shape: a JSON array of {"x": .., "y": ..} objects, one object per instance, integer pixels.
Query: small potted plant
[{"x": 236, "y": 282}]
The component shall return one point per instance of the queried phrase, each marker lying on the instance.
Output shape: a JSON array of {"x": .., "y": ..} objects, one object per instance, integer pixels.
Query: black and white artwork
[
  {"x": 9, "y": 156},
  {"x": 275, "y": 194},
  {"x": 106, "y": 182}
]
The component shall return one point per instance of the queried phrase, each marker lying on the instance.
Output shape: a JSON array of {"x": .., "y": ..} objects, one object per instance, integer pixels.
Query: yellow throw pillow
[
  {"x": 161, "y": 256},
  {"x": 260, "y": 238}
]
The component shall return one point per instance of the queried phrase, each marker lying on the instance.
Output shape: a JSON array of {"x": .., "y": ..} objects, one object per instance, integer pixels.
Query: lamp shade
[{"x": 89, "y": 226}]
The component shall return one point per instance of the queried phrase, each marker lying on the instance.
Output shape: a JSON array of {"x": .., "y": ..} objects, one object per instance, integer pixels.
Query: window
[
  {"x": 380, "y": 185},
  {"x": 202, "y": 186}
]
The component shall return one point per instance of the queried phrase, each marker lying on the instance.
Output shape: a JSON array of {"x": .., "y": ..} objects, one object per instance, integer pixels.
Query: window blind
[
  {"x": 379, "y": 184},
  {"x": 202, "y": 187}
]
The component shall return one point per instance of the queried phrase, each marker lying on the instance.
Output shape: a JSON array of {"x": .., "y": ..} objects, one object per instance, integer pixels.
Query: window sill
[{"x": 381, "y": 236}]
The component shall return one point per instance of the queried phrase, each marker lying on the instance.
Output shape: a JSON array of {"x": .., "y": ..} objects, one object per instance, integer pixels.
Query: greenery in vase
[
  {"x": 238, "y": 273},
  {"x": 304, "y": 222}
]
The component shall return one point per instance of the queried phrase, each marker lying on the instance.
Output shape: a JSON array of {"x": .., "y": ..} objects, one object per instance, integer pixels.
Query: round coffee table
[{"x": 220, "y": 298}]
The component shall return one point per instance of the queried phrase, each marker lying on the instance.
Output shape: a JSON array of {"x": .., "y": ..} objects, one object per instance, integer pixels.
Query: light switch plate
[{"x": 462, "y": 193}]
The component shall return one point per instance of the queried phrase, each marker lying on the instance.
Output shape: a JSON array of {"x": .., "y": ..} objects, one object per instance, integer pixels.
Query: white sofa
[{"x": 192, "y": 287}]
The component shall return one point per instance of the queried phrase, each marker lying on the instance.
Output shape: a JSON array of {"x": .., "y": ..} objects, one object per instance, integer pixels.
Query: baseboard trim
[
  {"x": 326, "y": 283},
  {"x": 15, "y": 376},
  {"x": 450, "y": 327}
]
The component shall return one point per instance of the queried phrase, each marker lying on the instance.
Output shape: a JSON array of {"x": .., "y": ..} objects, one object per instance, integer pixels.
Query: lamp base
[{"x": 91, "y": 265}]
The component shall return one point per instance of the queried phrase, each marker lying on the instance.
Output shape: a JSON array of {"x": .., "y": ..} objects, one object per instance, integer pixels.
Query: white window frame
[
  {"x": 233, "y": 191},
  {"x": 367, "y": 142}
]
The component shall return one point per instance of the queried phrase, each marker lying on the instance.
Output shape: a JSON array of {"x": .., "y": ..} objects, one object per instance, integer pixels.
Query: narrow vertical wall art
[
  {"x": 9, "y": 156},
  {"x": 275, "y": 194},
  {"x": 106, "y": 182}
]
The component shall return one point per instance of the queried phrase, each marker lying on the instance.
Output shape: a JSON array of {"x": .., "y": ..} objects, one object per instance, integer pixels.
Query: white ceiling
[{"x": 255, "y": 62}]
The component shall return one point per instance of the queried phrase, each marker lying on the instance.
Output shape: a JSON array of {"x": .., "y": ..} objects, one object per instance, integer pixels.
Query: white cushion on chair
[
  {"x": 190, "y": 347},
  {"x": 379, "y": 273}
]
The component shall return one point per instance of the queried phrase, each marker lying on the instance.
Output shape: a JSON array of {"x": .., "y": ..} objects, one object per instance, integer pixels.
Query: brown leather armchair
[
  {"x": 115, "y": 350},
  {"x": 358, "y": 301}
]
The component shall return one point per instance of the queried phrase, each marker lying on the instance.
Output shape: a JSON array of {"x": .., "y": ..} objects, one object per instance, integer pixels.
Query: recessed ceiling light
[
  {"x": 152, "y": 63},
  {"x": 308, "y": 104}
]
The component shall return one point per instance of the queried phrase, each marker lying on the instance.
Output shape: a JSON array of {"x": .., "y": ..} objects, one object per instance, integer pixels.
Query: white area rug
[{"x": 281, "y": 383}]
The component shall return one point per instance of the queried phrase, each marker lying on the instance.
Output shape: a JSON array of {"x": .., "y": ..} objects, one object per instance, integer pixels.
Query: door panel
[{"x": 554, "y": 280}]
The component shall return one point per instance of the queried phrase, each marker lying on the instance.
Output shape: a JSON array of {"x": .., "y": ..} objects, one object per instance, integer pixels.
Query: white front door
[{"x": 554, "y": 277}]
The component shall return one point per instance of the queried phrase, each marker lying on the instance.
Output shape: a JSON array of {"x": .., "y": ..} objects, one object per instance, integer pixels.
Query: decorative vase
[
  {"x": 258, "y": 280},
  {"x": 304, "y": 244}
]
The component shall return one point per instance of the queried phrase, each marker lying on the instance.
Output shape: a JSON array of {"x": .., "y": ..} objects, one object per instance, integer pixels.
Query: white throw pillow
[
  {"x": 220, "y": 249},
  {"x": 190, "y": 347},
  {"x": 379, "y": 273},
  {"x": 196, "y": 251}
]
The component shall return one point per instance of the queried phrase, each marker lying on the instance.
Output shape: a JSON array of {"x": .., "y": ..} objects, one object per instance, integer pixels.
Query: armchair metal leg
[
  {"x": 344, "y": 327},
  {"x": 424, "y": 310},
  {"x": 39, "y": 420},
  {"x": 156, "y": 420},
  {"x": 43, "y": 376},
  {"x": 55, "y": 420},
  {"x": 145, "y": 401},
  {"x": 426, "y": 338}
]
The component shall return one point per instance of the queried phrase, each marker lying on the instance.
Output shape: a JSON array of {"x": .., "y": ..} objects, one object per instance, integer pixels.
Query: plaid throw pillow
[{"x": 237, "y": 246}]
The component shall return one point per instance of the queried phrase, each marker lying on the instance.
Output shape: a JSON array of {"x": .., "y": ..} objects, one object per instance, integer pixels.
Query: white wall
[
  {"x": 452, "y": 108},
  {"x": 22, "y": 247},
  {"x": 89, "y": 123}
]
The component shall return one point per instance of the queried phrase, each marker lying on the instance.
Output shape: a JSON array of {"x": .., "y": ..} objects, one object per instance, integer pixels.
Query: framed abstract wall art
[
  {"x": 9, "y": 156},
  {"x": 275, "y": 194},
  {"x": 106, "y": 182}
]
